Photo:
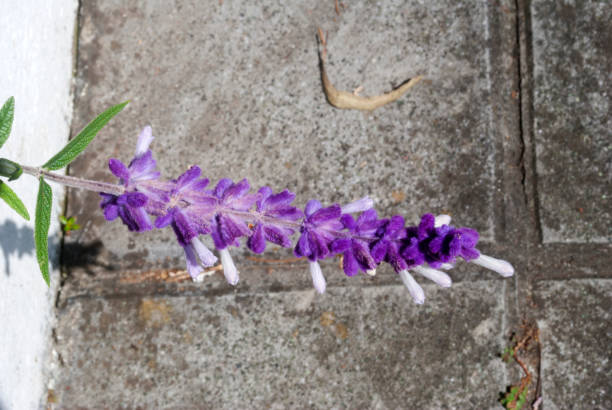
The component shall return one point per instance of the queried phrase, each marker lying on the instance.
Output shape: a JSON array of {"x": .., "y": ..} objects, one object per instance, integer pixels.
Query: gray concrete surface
[
  {"x": 37, "y": 60},
  {"x": 572, "y": 60},
  {"x": 576, "y": 333},
  {"x": 236, "y": 89}
]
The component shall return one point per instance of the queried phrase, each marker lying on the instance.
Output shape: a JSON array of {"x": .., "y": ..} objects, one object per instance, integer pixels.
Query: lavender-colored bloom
[
  {"x": 387, "y": 247},
  {"x": 318, "y": 230},
  {"x": 130, "y": 207},
  {"x": 275, "y": 219},
  {"x": 355, "y": 248},
  {"x": 445, "y": 243},
  {"x": 185, "y": 215},
  {"x": 187, "y": 220},
  {"x": 228, "y": 226}
]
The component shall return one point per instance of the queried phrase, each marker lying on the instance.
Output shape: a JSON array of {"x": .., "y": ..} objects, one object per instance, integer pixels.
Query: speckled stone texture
[
  {"x": 351, "y": 348},
  {"x": 572, "y": 61},
  {"x": 576, "y": 332}
]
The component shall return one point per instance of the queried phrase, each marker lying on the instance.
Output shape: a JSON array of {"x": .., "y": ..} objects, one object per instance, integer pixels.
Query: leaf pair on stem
[{"x": 65, "y": 156}]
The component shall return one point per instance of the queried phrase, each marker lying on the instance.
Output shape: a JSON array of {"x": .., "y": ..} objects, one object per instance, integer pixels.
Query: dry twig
[{"x": 346, "y": 100}]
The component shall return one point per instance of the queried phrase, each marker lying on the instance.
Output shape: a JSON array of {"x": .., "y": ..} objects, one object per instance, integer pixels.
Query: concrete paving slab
[
  {"x": 576, "y": 334},
  {"x": 351, "y": 348},
  {"x": 236, "y": 88},
  {"x": 572, "y": 61}
]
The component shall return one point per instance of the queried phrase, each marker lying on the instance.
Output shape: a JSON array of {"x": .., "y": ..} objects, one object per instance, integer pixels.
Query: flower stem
[{"x": 74, "y": 182}]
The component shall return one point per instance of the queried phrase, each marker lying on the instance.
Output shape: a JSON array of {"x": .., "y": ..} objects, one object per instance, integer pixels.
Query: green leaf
[
  {"x": 82, "y": 140},
  {"x": 13, "y": 200},
  {"x": 10, "y": 169},
  {"x": 41, "y": 227},
  {"x": 6, "y": 119}
]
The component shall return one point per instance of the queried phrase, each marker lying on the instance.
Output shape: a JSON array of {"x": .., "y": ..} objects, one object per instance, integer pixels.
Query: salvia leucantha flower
[{"x": 230, "y": 212}]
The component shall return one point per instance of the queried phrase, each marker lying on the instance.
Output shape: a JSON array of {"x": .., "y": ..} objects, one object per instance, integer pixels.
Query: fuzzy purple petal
[
  {"x": 469, "y": 237},
  {"x": 426, "y": 226},
  {"x": 312, "y": 206},
  {"x": 379, "y": 250},
  {"x": 221, "y": 186},
  {"x": 111, "y": 212},
  {"x": 318, "y": 245},
  {"x": 236, "y": 190},
  {"x": 469, "y": 253},
  {"x": 396, "y": 224},
  {"x": 280, "y": 200},
  {"x": 363, "y": 255},
  {"x": 231, "y": 228},
  {"x": 302, "y": 248},
  {"x": 256, "y": 241},
  {"x": 188, "y": 178},
  {"x": 325, "y": 214},
  {"x": 164, "y": 220},
  {"x": 341, "y": 245},
  {"x": 348, "y": 221},
  {"x": 278, "y": 235},
  {"x": 183, "y": 228},
  {"x": 193, "y": 267},
  {"x": 349, "y": 264},
  {"x": 144, "y": 167},
  {"x": 136, "y": 199},
  {"x": 119, "y": 169},
  {"x": 395, "y": 259},
  {"x": 263, "y": 193}
]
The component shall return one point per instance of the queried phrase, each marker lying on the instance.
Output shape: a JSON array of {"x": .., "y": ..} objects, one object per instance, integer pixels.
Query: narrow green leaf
[
  {"x": 10, "y": 169},
  {"x": 13, "y": 200},
  {"x": 41, "y": 227},
  {"x": 6, "y": 119},
  {"x": 82, "y": 140}
]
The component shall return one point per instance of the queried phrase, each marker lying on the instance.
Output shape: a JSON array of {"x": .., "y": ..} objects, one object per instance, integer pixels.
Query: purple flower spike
[
  {"x": 275, "y": 220},
  {"x": 228, "y": 212},
  {"x": 317, "y": 231},
  {"x": 387, "y": 248}
]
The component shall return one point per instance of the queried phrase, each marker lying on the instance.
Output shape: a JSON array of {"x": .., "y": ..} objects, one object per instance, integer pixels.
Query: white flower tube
[
  {"x": 415, "y": 290},
  {"x": 144, "y": 140},
  {"x": 206, "y": 256},
  {"x": 498, "y": 265},
  {"x": 229, "y": 269},
  {"x": 359, "y": 205},
  {"x": 434, "y": 275},
  {"x": 318, "y": 280},
  {"x": 193, "y": 267}
]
